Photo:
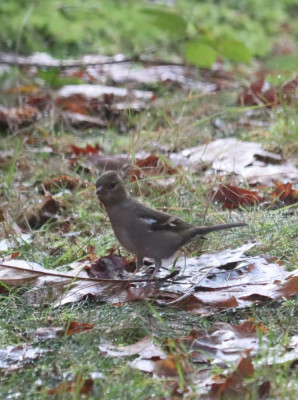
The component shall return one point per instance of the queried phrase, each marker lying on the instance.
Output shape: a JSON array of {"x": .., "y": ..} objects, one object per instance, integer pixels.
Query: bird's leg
[
  {"x": 140, "y": 261},
  {"x": 157, "y": 262},
  {"x": 139, "y": 265}
]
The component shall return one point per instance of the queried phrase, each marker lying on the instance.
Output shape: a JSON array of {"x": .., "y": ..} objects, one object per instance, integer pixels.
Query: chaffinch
[{"x": 142, "y": 230}]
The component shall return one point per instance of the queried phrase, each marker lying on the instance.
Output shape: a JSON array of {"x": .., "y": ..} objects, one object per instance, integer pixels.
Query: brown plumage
[{"x": 142, "y": 230}]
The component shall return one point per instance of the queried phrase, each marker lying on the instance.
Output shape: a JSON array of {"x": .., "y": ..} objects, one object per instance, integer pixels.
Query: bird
[{"x": 142, "y": 230}]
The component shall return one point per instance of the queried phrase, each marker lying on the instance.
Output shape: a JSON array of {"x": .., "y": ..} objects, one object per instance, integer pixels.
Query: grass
[
  {"x": 78, "y": 354},
  {"x": 74, "y": 356}
]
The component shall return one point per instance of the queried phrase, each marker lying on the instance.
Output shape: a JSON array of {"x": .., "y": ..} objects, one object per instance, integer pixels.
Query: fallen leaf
[
  {"x": 99, "y": 163},
  {"x": 233, "y": 384},
  {"x": 264, "y": 389},
  {"x": 274, "y": 96},
  {"x": 69, "y": 329},
  {"x": 45, "y": 333},
  {"x": 227, "y": 279},
  {"x": 81, "y": 119},
  {"x": 76, "y": 103},
  {"x": 173, "y": 366},
  {"x": 23, "y": 89},
  {"x": 42, "y": 101},
  {"x": 234, "y": 197},
  {"x": 77, "y": 327},
  {"x": 98, "y": 68},
  {"x": 228, "y": 154},
  {"x": 79, "y": 385},
  {"x": 15, "y": 357},
  {"x": 56, "y": 288},
  {"x": 279, "y": 95},
  {"x": 22, "y": 273},
  {"x": 63, "y": 182},
  {"x": 251, "y": 95},
  {"x": 95, "y": 91},
  {"x": 285, "y": 193},
  {"x": 88, "y": 149},
  {"x": 36, "y": 216},
  {"x": 151, "y": 357},
  {"x": 207, "y": 284},
  {"x": 18, "y": 115},
  {"x": 246, "y": 159},
  {"x": 145, "y": 348},
  {"x": 150, "y": 166},
  {"x": 223, "y": 343},
  {"x": 111, "y": 266}
]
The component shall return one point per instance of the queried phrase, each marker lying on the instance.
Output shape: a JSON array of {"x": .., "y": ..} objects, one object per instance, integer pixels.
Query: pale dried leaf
[
  {"x": 15, "y": 357},
  {"x": 227, "y": 279},
  {"x": 247, "y": 159},
  {"x": 95, "y": 91},
  {"x": 24, "y": 272},
  {"x": 58, "y": 288},
  {"x": 145, "y": 348}
]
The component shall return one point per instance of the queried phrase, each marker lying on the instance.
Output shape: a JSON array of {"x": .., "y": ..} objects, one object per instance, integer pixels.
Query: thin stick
[
  {"x": 58, "y": 274},
  {"x": 191, "y": 288}
]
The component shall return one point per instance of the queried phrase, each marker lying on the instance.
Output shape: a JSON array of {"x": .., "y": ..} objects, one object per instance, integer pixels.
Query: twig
[
  {"x": 58, "y": 274},
  {"x": 200, "y": 279},
  {"x": 167, "y": 277},
  {"x": 9, "y": 59}
]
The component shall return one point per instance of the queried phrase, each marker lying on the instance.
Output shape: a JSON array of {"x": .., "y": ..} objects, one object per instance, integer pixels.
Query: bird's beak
[{"x": 98, "y": 189}]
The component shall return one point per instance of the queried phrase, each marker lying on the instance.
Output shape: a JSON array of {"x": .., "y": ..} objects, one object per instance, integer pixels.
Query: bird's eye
[{"x": 113, "y": 184}]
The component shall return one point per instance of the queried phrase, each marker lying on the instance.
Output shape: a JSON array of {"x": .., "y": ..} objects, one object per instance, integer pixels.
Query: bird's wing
[{"x": 157, "y": 220}]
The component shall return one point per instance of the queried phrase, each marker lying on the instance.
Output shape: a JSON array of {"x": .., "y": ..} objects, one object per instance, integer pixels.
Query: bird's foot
[{"x": 167, "y": 277}]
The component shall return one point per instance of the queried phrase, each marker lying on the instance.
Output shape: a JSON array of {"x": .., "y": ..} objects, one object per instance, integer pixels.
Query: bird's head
[{"x": 110, "y": 189}]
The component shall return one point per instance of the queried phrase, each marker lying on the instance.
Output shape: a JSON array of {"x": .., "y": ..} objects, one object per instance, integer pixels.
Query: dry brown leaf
[
  {"x": 285, "y": 193},
  {"x": 274, "y": 96},
  {"x": 233, "y": 384},
  {"x": 234, "y": 197},
  {"x": 54, "y": 287},
  {"x": 264, "y": 389},
  {"x": 36, "y": 216},
  {"x": 77, "y": 103},
  {"x": 77, "y": 327},
  {"x": 173, "y": 366},
  {"x": 42, "y": 101},
  {"x": 146, "y": 349},
  {"x": 223, "y": 344},
  {"x": 70, "y": 328},
  {"x": 127, "y": 97},
  {"x": 23, "y": 89},
  {"x": 57, "y": 288},
  {"x": 227, "y": 279},
  {"x": 23, "y": 273},
  {"x": 63, "y": 182},
  {"x": 207, "y": 284},
  {"x": 18, "y": 115},
  {"x": 152, "y": 165},
  {"x": 251, "y": 95},
  {"x": 88, "y": 149},
  {"x": 111, "y": 266},
  {"x": 79, "y": 385}
]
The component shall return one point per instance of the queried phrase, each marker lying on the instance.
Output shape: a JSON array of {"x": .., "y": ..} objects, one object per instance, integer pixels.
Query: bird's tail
[{"x": 203, "y": 230}]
